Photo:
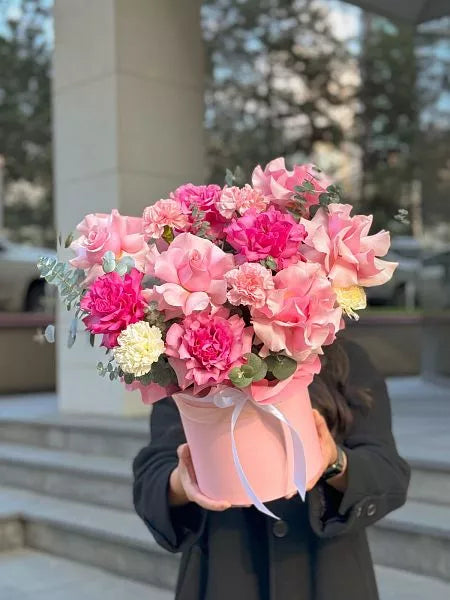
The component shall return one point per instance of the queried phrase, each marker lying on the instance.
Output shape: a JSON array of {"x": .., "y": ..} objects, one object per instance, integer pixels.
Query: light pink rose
[
  {"x": 249, "y": 284},
  {"x": 276, "y": 183},
  {"x": 192, "y": 270},
  {"x": 234, "y": 199},
  {"x": 341, "y": 244},
  {"x": 205, "y": 346},
  {"x": 300, "y": 315},
  {"x": 101, "y": 233},
  {"x": 151, "y": 392},
  {"x": 164, "y": 213}
]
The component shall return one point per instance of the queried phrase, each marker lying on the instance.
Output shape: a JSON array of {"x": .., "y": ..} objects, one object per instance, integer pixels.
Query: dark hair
[{"x": 332, "y": 394}]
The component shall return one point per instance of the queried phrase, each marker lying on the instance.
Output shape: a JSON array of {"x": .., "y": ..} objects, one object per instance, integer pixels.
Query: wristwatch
[{"x": 337, "y": 467}]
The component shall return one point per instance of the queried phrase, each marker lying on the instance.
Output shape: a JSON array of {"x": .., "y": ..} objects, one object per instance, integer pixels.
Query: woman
[{"x": 318, "y": 549}]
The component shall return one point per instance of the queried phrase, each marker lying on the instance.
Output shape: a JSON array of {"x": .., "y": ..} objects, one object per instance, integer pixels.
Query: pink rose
[
  {"x": 204, "y": 197},
  {"x": 271, "y": 233},
  {"x": 300, "y": 315},
  {"x": 249, "y": 284},
  {"x": 151, "y": 392},
  {"x": 341, "y": 244},
  {"x": 164, "y": 213},
  {"x": 277, "y": 184},
  {"x": 192, "y": 269},
  {"x": 205, "y": 346},
  {"x": 112, "y": 303},
  {"x": 234, "y": 199},
  {"x": 101, "y": 233}
]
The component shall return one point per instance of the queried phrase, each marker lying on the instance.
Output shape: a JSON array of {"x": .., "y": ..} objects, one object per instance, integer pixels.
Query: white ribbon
[{"x": 228, "y": 397}]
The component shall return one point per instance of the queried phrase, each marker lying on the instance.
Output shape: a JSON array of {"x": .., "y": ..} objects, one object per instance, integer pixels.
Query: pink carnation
[
  {"x": 234, "y": 199},
  {"x": 205, "y": 198},
  {"x": 249, "y": 284},
  {"x": 342, "y": 245},
  {"x": 276, "y": 183},
  {"x": 164, "y": 213},
  {"x": 300, "y": 315},
  {"x": 112, "y": 303},
  {"x": 101, "y": 233},
  {"x": 205, "y": 346},
  {"x": 271, "y": 233},
  {"x": 192, "y": 269}
]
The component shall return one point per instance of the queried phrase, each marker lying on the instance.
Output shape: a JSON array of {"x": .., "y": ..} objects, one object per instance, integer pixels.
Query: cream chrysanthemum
[
  {"x": 350, "y": 299},
  {"x": 140, "y": 345}
]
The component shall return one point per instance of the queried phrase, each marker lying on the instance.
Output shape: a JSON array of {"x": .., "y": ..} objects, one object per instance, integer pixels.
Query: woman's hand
[
  {"x": 329, "y": 453},
  {"x": 183, "y": 486}
]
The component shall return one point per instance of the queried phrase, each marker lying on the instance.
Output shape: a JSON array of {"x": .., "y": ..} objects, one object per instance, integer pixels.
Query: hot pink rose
[
  {"x": 101, "y": 233},
  {"x": 277, "y": 183},
  {"x": 205, "y": 198},
  {"x": 300, "y": 315},
  {"x": 342, "y": 245},
  {"x": 112, "y": 303},
  {"x": 193, "y": 270},
  {"x": 234, "y": 199},
  {"x": 271, "y": 233},
  {"x": 164, "y": 213},
  {"x": 205, "y": 346},
  {"x": 249, "y": 284}
]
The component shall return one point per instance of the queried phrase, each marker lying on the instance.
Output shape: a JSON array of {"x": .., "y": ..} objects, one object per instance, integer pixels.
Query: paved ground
[{"x": 27, "y": 575}]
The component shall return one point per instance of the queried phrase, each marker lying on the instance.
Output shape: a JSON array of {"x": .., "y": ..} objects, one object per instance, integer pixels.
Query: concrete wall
[{"x": 25, "y": 364}]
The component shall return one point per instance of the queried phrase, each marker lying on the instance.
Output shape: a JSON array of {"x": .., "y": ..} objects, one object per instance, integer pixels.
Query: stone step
[
  {"x": 430, "y": 481},
  {"x": 113, "y": 540},
  {"x": 394, "y": 584},
  {"x": 30, "y": 574},
  {"x": 415, "y": 538},
  {"x": 104, "y": 436},
  {"x": 99, "y": 480}
]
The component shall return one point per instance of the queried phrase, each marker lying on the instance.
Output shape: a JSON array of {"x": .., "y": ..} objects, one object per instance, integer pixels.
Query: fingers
[{"x": 190, "y": 485}]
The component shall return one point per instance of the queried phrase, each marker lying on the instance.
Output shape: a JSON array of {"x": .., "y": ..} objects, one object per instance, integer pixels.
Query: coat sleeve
[
  {"x": 173, "y": 528},
  {"x": 378, "y": 477}
]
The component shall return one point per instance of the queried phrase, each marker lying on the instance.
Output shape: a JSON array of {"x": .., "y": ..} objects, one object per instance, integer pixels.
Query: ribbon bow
[{"x": 228, "y": 397}]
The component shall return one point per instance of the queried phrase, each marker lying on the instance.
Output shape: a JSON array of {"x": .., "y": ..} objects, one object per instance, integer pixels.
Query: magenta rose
[
  {"x": 205, "y": 197},
  {"x": 112, "y": 303},
  {"x": 271, "y": 233},
  {"x": 204, "y": 346},
  {"x": 277, "y": 184}
]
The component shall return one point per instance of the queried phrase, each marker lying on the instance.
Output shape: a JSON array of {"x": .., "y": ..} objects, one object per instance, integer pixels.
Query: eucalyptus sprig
[
  {"x": 64, "y": 277},
  {"x": 253, "y": 370}
]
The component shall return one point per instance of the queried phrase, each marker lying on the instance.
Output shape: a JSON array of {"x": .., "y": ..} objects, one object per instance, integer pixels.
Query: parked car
[
  {"x": 434, "y": 281},
  {"x": 21, "y": 288},
  {"x": 402, "y": 289}
]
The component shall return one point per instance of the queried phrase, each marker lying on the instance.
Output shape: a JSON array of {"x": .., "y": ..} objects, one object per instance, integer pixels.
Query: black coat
[{"x": 317, "y": 551}]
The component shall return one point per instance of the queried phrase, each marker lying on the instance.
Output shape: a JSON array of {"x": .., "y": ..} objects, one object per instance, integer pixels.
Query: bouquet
[{"x": 224, "y": 298}]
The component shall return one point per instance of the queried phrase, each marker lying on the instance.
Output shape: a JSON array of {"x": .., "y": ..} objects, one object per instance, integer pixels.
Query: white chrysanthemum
[{"x": 140, "y": 345}]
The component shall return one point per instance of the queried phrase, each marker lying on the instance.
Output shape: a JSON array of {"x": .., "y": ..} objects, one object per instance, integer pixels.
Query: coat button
[
  {"x": 371, "y": 510},
  {"x": 280, "y": 529}
]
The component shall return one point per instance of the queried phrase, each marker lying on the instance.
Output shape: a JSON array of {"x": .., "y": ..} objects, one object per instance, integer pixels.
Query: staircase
[{"x": 65, "y": 490}]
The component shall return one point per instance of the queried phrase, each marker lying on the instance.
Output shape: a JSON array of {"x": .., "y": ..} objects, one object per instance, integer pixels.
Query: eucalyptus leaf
[
  {"x": 121, "y": 269},
  {"x": 92, "y": 339},
  {"x": 109, "y": 262},
  {"x": 68, "y": 240},
  {"x": 128, "y": 378},
  {"x": 284, "y": 367},
  {"x": 49, "y": 334}
]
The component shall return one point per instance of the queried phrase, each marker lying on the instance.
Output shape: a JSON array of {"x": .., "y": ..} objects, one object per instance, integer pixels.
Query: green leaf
[
  {"x": 271, "y": 263},
  {"x": 68, "y": 240},
  {"x": 168, "y": 235},
  {"x": 229, "y": 178},
  {"x": 49, "y": 334},
  {"x": 92, "y": 339},
  {"x": 284, "y": 368},
  {"x": 260, "y": 373},
  {"x": 109, "y": 262},
  {"x": 238, "y": 379},
  {"x": 128, "y": 378},
  {"x": 121, "y": 269},
  {"x": 253, "y": 360}
]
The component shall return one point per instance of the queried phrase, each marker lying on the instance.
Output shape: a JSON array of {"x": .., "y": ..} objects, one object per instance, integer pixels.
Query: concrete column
[{"x": 128, "y": 127}]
